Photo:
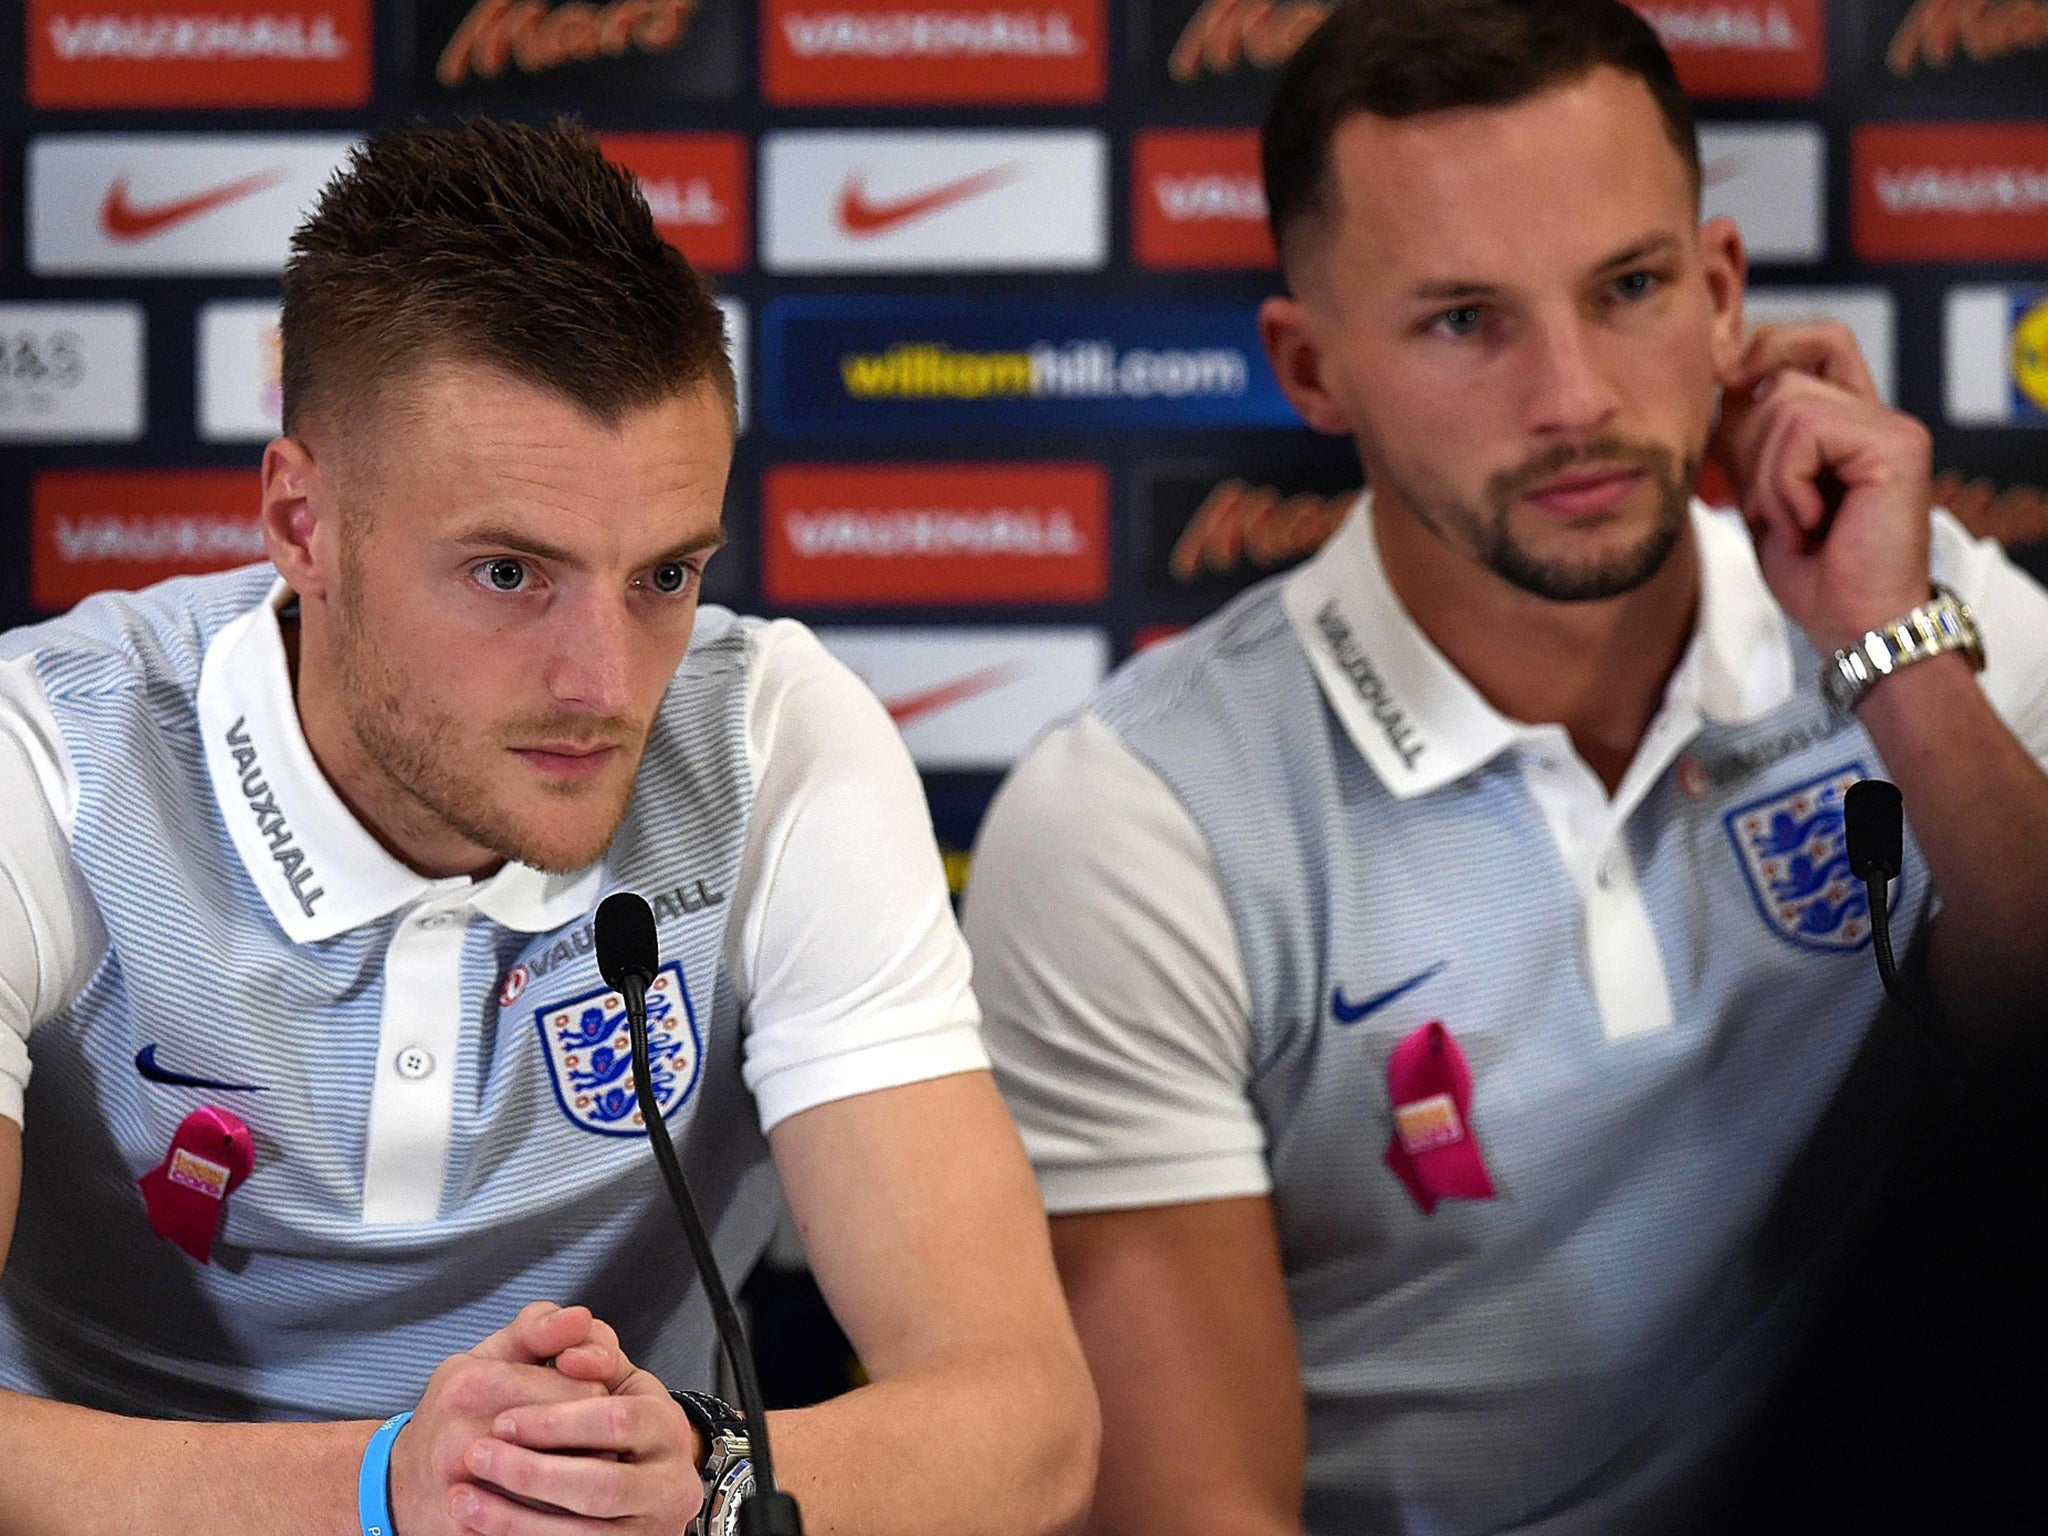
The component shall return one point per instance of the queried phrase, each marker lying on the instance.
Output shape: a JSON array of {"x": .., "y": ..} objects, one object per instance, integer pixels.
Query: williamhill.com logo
[
  {"x": 834, "y": 364},
  {"x": 1077, "y": 370}
]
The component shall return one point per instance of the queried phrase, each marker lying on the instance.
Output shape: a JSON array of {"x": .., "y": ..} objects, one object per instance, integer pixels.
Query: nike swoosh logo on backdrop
[
  {"x": 1353, "y": 1013},
  {"x": 145, "y": 1063},
  {"x": 861, "y": 215},
  {"x": 123, "y": 220},
  {"x": 915, "y": 706}
]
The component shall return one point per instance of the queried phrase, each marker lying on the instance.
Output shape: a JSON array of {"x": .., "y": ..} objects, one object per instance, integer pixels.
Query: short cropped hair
[
  {"x": 519, "y": 247},
  {"x": 1401, "y": 58}
]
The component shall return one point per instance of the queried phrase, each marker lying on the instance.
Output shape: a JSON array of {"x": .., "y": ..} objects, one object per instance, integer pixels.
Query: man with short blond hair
[{"x": 308, "y": 855}]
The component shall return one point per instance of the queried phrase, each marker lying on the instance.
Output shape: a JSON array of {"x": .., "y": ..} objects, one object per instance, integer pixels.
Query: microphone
[
  {"x": 629, "y": 955},
  {"x": 1874, "y": 818}
]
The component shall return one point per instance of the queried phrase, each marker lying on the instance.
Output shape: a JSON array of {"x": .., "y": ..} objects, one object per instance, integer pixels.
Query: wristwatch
[
  {"x": 728, "y": 1463},
  {"x": 1942, "y": 624}
]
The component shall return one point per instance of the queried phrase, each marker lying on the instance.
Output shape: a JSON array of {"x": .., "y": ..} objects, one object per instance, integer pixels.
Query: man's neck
[
  {"x": 1599, "y": 669},
  {"x": 409, "y": 833}
]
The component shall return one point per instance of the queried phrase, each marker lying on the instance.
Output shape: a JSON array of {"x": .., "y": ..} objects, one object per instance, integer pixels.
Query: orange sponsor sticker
[
  {"x": 1199, "y": 200},
  {"x": 198, "y": 53},
  {"x": 200, "y": 1173},
  {"x": 1743, "y": 48},
  {"x": 1428, "y": 1124},
  {"x": 120, "y": 529},
  {"x": 696, "y": 184},
  {"x": 860, "y": 52},
  {"x": 858, "y": 534},
  {"x": 1950, "y": 191}
]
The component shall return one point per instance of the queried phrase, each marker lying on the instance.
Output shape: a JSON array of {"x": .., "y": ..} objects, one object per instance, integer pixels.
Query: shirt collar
[
  {"x": 319, "y": 870},
  {"x": 1423, "y": 726}
]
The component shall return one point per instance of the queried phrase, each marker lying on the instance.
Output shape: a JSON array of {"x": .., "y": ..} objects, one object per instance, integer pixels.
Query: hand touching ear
[{"x": 1836, "y": 486}]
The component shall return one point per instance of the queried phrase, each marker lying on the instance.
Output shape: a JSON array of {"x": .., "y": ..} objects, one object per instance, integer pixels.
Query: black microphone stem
[{"x": 724, "y": 1314}]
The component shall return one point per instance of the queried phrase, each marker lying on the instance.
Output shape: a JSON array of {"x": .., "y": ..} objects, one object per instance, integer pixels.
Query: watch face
[{"x": 734, "y": 1489}]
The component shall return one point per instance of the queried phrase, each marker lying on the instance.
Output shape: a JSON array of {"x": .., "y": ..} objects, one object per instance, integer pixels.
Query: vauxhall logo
[
  {"x": 291, "y": 859},
  {"x": 1372, "y": 688},
  {"x": 691, "y": 896}
]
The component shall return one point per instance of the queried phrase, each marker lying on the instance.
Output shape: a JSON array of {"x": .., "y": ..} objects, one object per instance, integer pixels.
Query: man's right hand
[{"x": 464, "y": 1397}]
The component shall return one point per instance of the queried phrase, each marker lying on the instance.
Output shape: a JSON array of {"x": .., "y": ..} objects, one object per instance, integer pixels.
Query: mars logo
[
  {"x": 531, "y": 37},
  {"x": 1935, "y": 32},
  {"x": 544, "y": 49},
  {"x": 1222, "y": 35},
  {"x": 1240, "y": 525},
  {"x": 2016, "y": 514},
  {"x": 1218, "y": 533}
]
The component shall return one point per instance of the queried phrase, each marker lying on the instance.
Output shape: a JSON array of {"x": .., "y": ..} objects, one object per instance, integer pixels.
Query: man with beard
[
  {"x": 1429, "y": 988},
  {"x": 296, "y": 886}
]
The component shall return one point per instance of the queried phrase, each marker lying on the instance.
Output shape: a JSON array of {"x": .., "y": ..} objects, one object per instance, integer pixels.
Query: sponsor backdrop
[{"x": 990, "y": 270}]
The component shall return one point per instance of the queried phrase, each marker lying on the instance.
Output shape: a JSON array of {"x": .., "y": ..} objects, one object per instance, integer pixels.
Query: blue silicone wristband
[{"x": 373, "y": 1483}]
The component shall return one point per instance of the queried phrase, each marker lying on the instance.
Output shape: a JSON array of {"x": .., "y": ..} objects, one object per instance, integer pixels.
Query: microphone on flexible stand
[
  {"x": 1874, "y": 818},
  {"x": 629, "y": 955}
]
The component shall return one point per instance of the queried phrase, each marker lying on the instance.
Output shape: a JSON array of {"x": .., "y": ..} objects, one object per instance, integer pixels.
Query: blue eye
[
  {"x": 1636, "y": 285},
  {"x": 503, "y": 574},
  {"x": 670, "y": 578},
  {"x": 1459, "y": 322}
]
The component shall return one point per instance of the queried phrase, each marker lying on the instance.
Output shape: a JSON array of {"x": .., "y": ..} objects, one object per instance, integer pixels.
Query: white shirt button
[
  {"x": 436, "y": 920},
  {"x": 1603, "y": 872},
  {"x": 414, "y": 1063}
]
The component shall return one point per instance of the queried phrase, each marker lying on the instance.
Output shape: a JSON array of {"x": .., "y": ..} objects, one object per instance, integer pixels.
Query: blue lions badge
[
  {"x": 1795, "y": 850},
  {"x": 590, "y": 1054}
]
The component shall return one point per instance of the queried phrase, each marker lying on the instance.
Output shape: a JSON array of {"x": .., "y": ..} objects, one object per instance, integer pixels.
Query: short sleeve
[
  {"x": 1115, "y": 1002},
  {"x": 51, "y": 938},
  {"x": 852, "y": 973},
  {"x": 2012, "y": 616}
]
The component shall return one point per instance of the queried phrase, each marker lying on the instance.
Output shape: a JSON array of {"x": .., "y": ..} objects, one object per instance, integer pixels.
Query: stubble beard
[
  {"x": 418, "y": 750},
  {"x": 1487, "y": 533}
]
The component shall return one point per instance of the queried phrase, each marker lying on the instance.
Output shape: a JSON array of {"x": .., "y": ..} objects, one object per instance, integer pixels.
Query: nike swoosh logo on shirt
[
  {"x": 915, "y": 706},
  {"x": 860, "y": 214},
  {"x": 1354, "y": 1013},
  {"x": 123, "y": 220},
  {"x": 145, "y": 1063}
]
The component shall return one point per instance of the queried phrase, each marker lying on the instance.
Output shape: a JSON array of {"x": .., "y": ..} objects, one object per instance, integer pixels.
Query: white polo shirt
[
  {"x": 443, "y": 1123},
  {"x": 1119, "y": 1014}
]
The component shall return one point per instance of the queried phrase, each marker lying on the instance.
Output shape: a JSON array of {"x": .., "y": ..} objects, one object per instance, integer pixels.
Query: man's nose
[
  {"x": 592, "y": 657},
  {"x": 1570, "y": 394}
]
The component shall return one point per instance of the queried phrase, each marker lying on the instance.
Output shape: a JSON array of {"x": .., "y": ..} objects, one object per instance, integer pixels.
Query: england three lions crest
[
  {"x": 589, "y": 1054},
  {"x": 1794, "y": 849}
]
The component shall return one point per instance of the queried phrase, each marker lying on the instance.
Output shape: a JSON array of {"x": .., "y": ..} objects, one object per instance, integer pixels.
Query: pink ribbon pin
[
  {"x": 1433, "y": 1150},
  {"x": 210, "y": 1155}
]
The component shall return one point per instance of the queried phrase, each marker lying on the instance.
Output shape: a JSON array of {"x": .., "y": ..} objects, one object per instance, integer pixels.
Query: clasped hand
[{"x": 545, "y": 1429}]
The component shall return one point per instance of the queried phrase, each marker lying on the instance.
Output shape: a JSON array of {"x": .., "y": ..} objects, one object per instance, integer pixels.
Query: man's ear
[
  {"x": 1726, "y": 266},
  {"x": 298, "y": 507},
  {"x": 1298, "y": 364}
]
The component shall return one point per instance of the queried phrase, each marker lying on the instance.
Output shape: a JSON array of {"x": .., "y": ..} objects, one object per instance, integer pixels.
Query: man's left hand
[
  {"x": 1836, "y": 486},
  {"x": 627, "y": 1462}
]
